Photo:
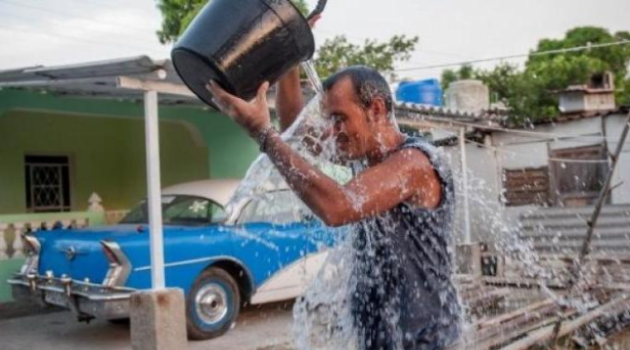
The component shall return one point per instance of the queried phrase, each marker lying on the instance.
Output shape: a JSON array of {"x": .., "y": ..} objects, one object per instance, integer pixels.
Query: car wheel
[{"x": 212, "y": 304}]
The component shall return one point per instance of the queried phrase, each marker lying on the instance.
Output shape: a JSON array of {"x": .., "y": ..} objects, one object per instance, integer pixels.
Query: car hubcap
[{"x": 211, "y": 303}]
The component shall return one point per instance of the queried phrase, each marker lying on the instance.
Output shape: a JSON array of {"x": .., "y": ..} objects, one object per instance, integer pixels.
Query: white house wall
[
  {"x": 614, "y": 126},
  {"x": 525, "y": 151}
]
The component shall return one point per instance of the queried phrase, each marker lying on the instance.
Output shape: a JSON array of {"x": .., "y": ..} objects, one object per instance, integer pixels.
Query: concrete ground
[{"x": 258, "y": 328}]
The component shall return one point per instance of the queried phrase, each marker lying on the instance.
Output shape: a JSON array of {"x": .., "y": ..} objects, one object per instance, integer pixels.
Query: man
[{"x": 401, "y": 205}]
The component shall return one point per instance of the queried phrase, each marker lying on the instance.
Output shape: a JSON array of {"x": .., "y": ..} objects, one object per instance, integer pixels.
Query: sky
[{"x": 53, "y": 32}]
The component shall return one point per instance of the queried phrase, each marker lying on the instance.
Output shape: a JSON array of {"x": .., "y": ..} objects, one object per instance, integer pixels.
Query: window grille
[{"x": 47, "y": 184}]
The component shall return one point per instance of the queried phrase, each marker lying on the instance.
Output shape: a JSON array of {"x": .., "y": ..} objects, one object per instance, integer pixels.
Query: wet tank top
[{"x": 404, "y": 297}]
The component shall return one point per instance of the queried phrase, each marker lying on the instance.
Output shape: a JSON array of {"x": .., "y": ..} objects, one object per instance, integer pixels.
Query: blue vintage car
[{"x": 265, "y": 247}]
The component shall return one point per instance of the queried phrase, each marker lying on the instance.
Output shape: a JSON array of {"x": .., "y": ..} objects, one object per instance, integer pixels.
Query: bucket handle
[{"x": 321, "y": 5}]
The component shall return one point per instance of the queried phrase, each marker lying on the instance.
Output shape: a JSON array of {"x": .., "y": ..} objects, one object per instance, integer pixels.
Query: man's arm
[
  {"x": 289, "y": 98},
  {"x": 407, "y": 175}
]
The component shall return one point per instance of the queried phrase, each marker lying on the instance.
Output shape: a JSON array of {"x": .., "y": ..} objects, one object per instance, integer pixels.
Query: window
[
  {"x": 527, "y": 186},
  {"x": 179, "y": 210},
  {"x": 578, "y": 181},
  {"x": 280, "y": 207},
  {"x": 47, "y": 183}
]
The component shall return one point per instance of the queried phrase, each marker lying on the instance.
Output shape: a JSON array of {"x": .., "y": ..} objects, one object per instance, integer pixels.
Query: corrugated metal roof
[
  {"x": 413, "y": 113},
  {"x": 97, "y": 79}
]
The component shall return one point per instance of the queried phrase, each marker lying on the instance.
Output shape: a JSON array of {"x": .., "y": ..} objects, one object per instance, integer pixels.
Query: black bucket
[{"x": 240, "y": 44}]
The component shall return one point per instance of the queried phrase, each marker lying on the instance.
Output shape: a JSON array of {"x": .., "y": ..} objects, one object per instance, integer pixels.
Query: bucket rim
[{"x": 230, "y": 88}]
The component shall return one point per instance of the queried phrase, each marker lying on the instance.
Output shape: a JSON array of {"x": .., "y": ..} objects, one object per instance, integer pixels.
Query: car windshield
[{"x": 179, "y": 210}]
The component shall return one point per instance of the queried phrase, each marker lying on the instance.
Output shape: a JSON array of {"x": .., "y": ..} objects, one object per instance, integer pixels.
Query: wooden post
[
  {"x": 576, "y": 271},
  {"x": 462, "y": 150}
]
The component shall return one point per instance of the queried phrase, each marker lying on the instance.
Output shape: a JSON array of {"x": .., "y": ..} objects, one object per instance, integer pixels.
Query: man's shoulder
[
  {"x": 418, "y": 142},
  {"x": 435, "y": 156},
  {"x": 422, "y": 147}
]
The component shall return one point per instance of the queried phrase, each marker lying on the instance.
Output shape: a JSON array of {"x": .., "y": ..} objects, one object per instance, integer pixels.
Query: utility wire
[
  {"x": 71, "y": 15},
  {"x": 84, "y": 40},
  {"x": 533, "y": 54},
  {"x": 362, "y": 40},
  {"x": 527, "y": 155},
  {"x": 98, "y": 3},
  {"x": 30, "y": 19},
  {"x": 575, "y": 271},
  {"x": 536, "y": 134}
]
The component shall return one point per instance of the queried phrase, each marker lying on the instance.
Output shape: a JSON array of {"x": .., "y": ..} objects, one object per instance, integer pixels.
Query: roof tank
[{"x": 468, "y": 95}]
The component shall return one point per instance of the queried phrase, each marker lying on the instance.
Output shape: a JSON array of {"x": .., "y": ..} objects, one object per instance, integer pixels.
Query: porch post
[
  {"x": 154, "y": 188},
  {"x": 462, "y": 152}
]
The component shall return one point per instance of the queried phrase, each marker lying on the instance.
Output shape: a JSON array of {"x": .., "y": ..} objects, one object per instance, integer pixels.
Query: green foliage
[
  {"x": 302, "y": 6},
  {"x": 338, "y": 52},
  {"x": 531, "y": 93},
  {"x": 178, "y": 14},
  {"x": 174, "y": 13},
  {"x": 464, "y": 72}
]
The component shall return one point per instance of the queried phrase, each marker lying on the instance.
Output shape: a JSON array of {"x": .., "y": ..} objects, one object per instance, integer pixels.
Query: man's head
[{"x": 359, "y": 103}]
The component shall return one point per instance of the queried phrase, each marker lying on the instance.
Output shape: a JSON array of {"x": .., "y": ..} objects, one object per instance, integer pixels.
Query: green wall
[
  {"x": 106, "y": 156},
  {"x": 105, "y": 142}
]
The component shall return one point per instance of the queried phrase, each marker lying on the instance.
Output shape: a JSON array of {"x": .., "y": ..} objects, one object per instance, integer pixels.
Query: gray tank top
[{"x": 404, "y": 296}]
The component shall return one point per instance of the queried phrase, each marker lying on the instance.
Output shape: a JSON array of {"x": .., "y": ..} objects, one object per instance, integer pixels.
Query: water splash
[
  {"x": 313, "y": 76},
  {"x": 322, "y": 316}
]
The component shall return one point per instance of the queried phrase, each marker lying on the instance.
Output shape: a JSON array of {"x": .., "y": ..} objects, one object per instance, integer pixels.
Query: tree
[
  {"x": 334, "y": 54},
  {"x": 531, "y": 93},
  {"x": 338, "y": 52},
  {"x": 464, "y": 72},
  {"x": 557, "y": 71}
]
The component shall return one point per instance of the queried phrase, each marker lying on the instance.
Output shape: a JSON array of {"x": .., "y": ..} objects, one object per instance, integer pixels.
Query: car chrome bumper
[{"x": 85, "y": 299}]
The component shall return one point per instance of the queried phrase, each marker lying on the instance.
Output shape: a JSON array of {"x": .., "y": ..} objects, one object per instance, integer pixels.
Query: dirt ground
[{"x": 258, "y": 328}]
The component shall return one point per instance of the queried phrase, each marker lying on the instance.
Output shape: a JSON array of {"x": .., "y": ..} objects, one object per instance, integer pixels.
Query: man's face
[{"x": 351, "y": 125}]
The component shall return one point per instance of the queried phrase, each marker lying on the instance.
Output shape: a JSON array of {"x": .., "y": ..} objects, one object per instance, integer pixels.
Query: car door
[{"x": 283, "y": 243}]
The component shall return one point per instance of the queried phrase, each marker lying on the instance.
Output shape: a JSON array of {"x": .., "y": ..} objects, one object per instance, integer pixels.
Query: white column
[
  {"x": 462, "y": 152},
  {"x": 3, "y": 244},
  {"x": 154, "y": 188}
]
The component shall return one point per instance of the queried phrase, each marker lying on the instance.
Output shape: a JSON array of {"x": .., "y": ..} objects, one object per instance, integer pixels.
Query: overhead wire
[
  {"x": 536, "y": 134},
  {"x": 530, "y": 54},
  {"x": 84, "y": 40},
  {"x": 428, "y": 51},
  {"x": 66, "y": 14},
  {"x": 65, "y": 35},
  {"x": 552, "y": 159},
  {"x": 98, "y": 3}
]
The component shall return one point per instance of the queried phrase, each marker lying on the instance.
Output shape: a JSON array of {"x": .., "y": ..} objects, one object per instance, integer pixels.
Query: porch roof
[{"x": 121, "y": 79}]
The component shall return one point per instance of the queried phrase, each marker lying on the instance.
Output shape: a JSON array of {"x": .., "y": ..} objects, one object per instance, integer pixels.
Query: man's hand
[{"x": 252, "y": 116}]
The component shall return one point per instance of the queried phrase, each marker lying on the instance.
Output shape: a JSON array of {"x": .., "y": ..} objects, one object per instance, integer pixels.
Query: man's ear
[{"x": 378, "y": 108}]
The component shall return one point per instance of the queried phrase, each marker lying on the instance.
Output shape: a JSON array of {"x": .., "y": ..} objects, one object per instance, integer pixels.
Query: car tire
[{"x": 212, "y": 304}]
